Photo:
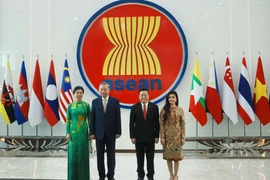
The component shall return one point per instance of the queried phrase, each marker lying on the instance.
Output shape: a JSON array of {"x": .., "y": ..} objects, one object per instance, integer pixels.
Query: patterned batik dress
[
  {"x": 78, "y": 147},
  {"x": 173, "y": 130}
]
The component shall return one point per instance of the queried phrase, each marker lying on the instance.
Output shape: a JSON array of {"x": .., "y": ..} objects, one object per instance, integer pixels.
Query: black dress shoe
[
  {"x": 140, "y": 178},
  {"x": 150, "y": 178}
]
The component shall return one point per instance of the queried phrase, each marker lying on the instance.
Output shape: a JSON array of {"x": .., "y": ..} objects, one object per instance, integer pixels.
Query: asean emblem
[{"x": 132, "y": 45}]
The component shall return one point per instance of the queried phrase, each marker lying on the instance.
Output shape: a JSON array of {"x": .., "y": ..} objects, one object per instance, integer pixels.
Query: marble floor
[{"x": 190, "y": 169}]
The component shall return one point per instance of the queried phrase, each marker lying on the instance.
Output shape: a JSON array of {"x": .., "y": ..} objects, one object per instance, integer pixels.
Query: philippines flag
[
  {"x": 244, "y": 100},
  {"x": 228, "y": 99},
  {"x": 22, "y": 100},
  {"x": 212, "y": 98},
  {"x": 36, "y": 112},
  {"x": 51, "y": 99},
  {"x": 65, "y": 93}
]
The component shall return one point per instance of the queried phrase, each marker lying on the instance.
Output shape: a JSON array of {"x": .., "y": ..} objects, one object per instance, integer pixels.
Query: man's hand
[
  {"x": 92, "y": 137},
  {"x": 156, "y": 140},
  {"x": 117, "y": 136},
  {"x": 133, "y": 140}
]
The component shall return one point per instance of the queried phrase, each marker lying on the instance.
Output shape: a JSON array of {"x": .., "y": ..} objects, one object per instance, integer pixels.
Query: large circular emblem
[{"x": 132, "y": 45}]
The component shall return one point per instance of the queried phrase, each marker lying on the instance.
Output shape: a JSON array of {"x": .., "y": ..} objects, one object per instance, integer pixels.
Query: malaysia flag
[
  {"x": 65, "y": 93},
  {"x": 22, "y": 100},
  {"x": 51, "y": 99}
]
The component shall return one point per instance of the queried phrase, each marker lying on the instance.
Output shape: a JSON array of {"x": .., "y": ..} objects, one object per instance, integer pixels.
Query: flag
[
  {"x": 36, "y": 113},
  {"x": 65, "y": 93},
  {"x": 228, "y": 98},
  {"x": 51, "y": 99},
  {"x": 197, "y": 102},
  {"x": 7, "y": 98},
  {"x": 22, "y": 100},
  {"x": 244, "y": 99},
  {"x": 212, "y": 98},
  {"x": 260, "y": 97}
]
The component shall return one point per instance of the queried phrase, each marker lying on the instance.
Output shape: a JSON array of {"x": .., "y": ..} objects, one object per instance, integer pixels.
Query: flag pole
[
  {"x": 197, "y": 136},
  {"x": 7, "y": 124},
  {"x": 212, "y": 127},
  {"x": 260, "y": 123},
  {"x": 37, "y": 125},
  {"x": 228, "y": 127},
  {"x": 22, "y": 124}
]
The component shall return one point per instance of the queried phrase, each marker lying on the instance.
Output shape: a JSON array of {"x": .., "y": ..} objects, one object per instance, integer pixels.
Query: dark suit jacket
[
  {"x": 144, "y": 130},
  {"x": 108, "y": 123}
]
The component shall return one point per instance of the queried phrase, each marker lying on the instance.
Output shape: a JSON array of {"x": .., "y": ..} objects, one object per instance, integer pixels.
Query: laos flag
[
  {"x": 22, "y": 99},
  {"x": 51, "y": 99}
]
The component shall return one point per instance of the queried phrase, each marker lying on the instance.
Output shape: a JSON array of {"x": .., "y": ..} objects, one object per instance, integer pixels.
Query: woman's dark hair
[
  {"x": 77, "y": 88},
  {"x": 167, "y": 104}
]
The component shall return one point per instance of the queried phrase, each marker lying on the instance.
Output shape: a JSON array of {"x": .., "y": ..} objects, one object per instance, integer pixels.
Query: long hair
[{"x": 166, "y": 107}]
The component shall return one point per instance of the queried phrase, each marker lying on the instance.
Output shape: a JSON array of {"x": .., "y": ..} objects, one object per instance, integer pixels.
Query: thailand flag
[
  {"x": 22, "y": 100},
  {"x": 65, "y": 93},
  {"x": 51, "y": 99},
  {"x": 244, "y": 100},
  {"x": 36, "y": 112}
]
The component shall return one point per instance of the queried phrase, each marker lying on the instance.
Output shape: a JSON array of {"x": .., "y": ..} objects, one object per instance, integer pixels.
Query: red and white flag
[
  {"x": 36, "y": 112},
  {"x": 228, "y": 99}
]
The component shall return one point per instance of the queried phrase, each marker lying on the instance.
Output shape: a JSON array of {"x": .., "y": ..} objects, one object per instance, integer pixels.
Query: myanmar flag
[{"x": 197, "y": 102}]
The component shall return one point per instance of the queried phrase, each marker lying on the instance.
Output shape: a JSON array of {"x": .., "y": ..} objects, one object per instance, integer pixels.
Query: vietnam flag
[
  {"x": 51, "y": 99},
  {"x": 22, "y": 100},
  {"x": 212, "y": 97},
  {"x": 260, "y": 97},
  {"x": 197, "y": 102}
]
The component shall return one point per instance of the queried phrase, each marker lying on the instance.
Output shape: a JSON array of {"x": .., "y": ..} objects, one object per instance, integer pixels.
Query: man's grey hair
[{"x": 104, "y": 83}]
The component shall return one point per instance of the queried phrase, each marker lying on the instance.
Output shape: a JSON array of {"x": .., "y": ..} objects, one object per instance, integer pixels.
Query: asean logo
[{"x": 132, "y": 45}]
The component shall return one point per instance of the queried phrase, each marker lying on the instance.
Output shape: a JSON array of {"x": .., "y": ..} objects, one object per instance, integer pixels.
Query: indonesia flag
[
  {"x": 228, "y": 98},
  {"x": 65, "y": 93},
  {"x": 36, "y": 113},
  {"x": 51, "y": 100},
  {"x": 212, "y": 98},
  {"x": 244, "y": 103},
  {"x": 22, "y": 100}
]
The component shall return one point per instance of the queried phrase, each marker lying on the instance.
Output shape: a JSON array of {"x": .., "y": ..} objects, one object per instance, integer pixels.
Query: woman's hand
[
  {"x": 162, "y": 141},
  {"x": 68, "y": 137}
]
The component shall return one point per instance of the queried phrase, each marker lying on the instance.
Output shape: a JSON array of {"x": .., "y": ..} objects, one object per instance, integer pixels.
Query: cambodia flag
[
  {"x": 51, "y": 99},
  {"x": 22, "y": 100}
]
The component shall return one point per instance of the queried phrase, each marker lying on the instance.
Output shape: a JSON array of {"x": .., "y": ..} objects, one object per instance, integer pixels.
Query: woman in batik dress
[
  {"x": 172, "y": 133},
  {"x": 77, "y": 134}
]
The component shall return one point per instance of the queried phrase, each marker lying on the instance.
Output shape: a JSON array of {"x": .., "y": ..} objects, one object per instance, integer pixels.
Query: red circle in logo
[{"x": 132, "y": 45}]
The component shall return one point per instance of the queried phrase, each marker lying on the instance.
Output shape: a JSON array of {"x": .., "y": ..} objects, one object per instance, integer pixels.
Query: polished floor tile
[{"x": 190, "y": 168}]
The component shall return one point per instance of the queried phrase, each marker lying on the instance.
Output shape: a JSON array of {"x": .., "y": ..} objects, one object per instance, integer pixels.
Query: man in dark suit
[
  {"x": 144, "y": 132},
  {"x": 105, "y": 127}
]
